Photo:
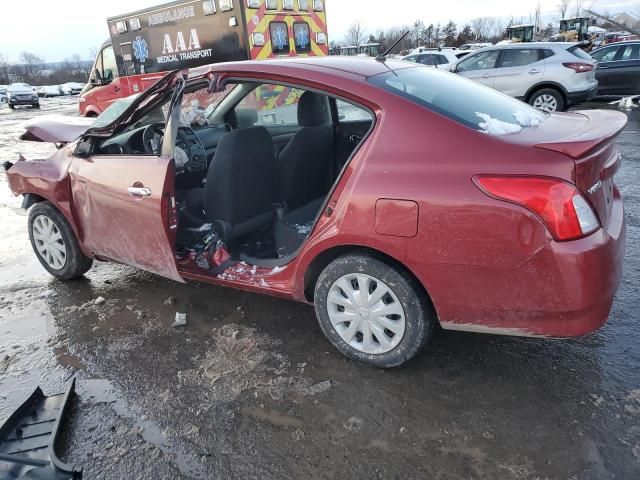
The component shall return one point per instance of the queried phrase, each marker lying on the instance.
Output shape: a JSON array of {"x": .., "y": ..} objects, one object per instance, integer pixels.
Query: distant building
[{"x": 628, "y": 19}]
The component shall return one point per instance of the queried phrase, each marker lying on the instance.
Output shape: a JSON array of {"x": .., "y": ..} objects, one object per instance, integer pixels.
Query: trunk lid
[{"x": 591, "y": 145}]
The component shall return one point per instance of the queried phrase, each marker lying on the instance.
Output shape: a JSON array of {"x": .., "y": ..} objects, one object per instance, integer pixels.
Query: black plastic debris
[{"x": 28, "y": 438}]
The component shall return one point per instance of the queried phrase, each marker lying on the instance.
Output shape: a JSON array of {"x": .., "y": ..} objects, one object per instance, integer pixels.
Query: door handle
[
  {"x": 486, "y": 75},
  {"x": 602, "y": 67},
  {"x": 116, "y": 89},
  {"x": 534, "y": 71},
  {"x": 139, "y": 191}
]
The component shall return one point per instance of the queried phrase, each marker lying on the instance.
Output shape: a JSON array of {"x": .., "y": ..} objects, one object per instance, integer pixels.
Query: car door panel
[
  {"x": 515, "y": 81},
  {"x": 480, "y": 67},
  {"x": 624, "y": 71},
  {"x": 605, "y": 58},
  {"x": 485, "y": 77},
  {"x": 116, "y": 218}
]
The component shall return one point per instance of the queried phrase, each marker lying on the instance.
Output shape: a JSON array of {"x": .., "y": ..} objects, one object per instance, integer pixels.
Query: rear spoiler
[{"x": 604, "y": 125}]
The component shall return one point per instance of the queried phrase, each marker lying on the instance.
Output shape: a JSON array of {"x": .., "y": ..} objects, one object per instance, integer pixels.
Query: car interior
[{"x": 254, "y": 165}]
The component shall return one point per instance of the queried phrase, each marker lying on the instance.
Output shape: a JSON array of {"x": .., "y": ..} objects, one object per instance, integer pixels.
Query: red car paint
[{"x": 488, "y": 265}]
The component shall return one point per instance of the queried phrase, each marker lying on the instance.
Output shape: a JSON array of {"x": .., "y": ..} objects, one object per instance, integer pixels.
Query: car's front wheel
[
  {"x": 372, "y": 311},
  {"x": 548, "y": 100},
  {"x": 55, "y": 244}
]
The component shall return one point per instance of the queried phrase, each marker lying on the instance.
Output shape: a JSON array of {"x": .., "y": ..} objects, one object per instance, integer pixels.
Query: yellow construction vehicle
[
  {"x": 520, "y": 34},
  {"x": 573, "y": 30}
]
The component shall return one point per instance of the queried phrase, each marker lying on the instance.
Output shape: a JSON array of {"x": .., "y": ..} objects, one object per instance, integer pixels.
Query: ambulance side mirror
[{"x": 96, "y": 78}]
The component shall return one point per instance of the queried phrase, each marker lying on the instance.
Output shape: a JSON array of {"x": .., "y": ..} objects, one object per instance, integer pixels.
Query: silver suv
[{"x": 550, "y": 76}]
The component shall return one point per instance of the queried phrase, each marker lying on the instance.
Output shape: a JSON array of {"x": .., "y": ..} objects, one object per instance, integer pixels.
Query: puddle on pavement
[
  {"x": 26, "y": 360},
  {"x": 96, "y": 391}
]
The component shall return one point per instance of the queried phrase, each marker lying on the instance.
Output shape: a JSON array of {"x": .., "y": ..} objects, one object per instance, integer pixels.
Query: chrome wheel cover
[
  {"x": 49, "y": 243},
  {"x": 546, "y": 103},
  {"x": 366, "y": 313}
]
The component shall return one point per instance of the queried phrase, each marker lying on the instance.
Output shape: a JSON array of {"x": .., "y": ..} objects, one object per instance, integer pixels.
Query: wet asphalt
[{"x": 250, "y": 388}]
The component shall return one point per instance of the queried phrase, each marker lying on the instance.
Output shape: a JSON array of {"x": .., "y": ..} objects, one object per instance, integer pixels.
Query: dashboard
[{"x": 198, "y": 143}]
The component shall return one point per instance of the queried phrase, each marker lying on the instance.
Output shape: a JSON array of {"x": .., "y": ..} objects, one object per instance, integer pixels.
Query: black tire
[
  {"x": 557, "y": 96},
  {"x": 36, "y": 105},
  {"x": 418, "y": 312},
  {"x": 76, "y": 263},
  {"x": 12, "y": 107}
]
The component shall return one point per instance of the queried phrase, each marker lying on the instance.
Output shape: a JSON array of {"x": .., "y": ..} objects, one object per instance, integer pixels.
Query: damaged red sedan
[{"x": 393, "y": 197}]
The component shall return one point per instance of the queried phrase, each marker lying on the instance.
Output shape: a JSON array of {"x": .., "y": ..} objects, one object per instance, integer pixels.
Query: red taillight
[
  {"x": 559, "y": 204},
  {"x": 579, "y": 67}
]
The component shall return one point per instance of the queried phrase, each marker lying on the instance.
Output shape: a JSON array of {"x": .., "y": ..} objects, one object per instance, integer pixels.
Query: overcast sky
[{"x": 58, "y": 29}]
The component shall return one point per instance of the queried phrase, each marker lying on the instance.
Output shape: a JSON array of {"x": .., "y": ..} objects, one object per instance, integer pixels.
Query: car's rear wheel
[
  {"x": 55, "y": 244},
  {"x": 547, "y": 100},
  {"x": 372, "y": 311}
]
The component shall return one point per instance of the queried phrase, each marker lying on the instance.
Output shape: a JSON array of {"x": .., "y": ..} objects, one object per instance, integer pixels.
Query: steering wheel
[
  {"x": 155, "y": 131},
  {"x": 148, "y": 136}
]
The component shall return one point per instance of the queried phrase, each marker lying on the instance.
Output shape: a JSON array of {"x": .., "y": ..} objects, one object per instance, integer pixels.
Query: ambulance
[{"x": 146, "y": 44}]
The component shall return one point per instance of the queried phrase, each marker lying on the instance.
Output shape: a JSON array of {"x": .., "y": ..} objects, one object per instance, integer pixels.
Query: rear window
[
  {"x": 578, "y": 52},
  {"x": 457, "y": 98}
]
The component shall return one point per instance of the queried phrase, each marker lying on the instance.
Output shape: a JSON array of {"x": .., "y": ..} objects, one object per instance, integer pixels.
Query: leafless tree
[
  {"x": 393, "y": 34},
  {"x": 538, "y": 21},
  {"x": 563, "y": 6},
  {"x": 355, "y": 34},
  {"x": 32, "y": 64},
  {"x": 4, "y": 69},
  {"x": 93, "y": 53},
  {"x": 483, "y": 27},
  {"x": 579, "y": 6},
  {"x": 497, "y": 33}
]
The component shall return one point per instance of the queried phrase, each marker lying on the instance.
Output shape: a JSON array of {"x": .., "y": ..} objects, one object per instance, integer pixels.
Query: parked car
[
  {"x": 49, "y": 91},
  {"x": 22, "y": 94},
  {"x": 443, "y": 59},
  {"x": 3, "y": 94},
  {"x": 618, "y": 71},
  {"x": 483, "y": 214},
  {"x": 551, "y": 76},
  {"x": 71, "y": 88},
  {"x": 474, "y": 46}
]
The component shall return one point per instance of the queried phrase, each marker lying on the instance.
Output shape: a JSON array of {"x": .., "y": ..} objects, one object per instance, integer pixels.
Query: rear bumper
[
  {"x": 582, "y": 95},
  {"x": 565, "y": 290}
]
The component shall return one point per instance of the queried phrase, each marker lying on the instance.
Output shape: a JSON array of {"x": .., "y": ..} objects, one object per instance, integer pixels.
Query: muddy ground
[{"x": 251, "y": 388}]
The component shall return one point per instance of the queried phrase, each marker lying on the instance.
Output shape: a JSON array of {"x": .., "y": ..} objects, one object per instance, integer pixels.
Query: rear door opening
[{"x": 274, "y": 154}]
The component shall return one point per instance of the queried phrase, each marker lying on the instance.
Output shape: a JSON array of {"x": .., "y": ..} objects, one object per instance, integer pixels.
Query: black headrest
[{"x": 312, "y": 110}]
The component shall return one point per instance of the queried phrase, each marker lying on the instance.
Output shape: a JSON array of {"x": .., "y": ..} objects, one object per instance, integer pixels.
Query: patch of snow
[
  {"x": 527, "y": 119},
  {"x": 276, "y": 270},
  {"x": 627, "y": 102},
  {"x": 493, "y": 126},
  {"x": 204, "y": 228},
  {"x": 303, "y": 229},
  {"x": 181, "y": 320}
]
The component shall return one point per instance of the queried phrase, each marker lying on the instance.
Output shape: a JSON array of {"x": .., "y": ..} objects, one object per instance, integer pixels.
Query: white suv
[
  {"x": 442, "y": 58},
  {"x": 550, "y": 76}
]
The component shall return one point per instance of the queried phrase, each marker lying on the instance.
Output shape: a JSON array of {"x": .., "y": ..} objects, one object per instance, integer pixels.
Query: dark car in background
[
  {"x": 618, "y": 71},
  {"x": 22, "y": 94}
]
